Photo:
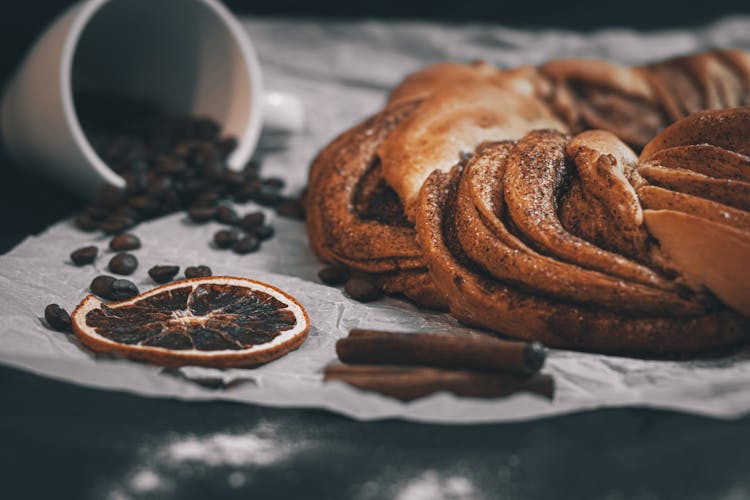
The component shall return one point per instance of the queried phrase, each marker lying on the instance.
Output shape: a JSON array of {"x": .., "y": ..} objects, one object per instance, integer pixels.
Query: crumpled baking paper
[{"x": 342, "y": 71}]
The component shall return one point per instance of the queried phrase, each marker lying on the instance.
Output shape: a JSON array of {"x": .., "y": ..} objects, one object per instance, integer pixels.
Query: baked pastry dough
[{"x": 534, "y": 215}]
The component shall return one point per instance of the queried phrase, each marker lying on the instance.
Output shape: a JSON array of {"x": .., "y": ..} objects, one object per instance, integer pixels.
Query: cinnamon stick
[
  {"x": 440, "y": 350},
  {"x": 409, "y": 383}
]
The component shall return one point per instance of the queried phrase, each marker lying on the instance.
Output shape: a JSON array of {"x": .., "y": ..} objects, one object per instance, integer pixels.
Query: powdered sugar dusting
[
  {"x": 224, "y": 449},
  {"x": 433, "y": 486}
]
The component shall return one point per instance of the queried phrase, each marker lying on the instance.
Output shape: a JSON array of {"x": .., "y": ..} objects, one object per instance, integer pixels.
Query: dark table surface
[{"x": 62, "y": 441}]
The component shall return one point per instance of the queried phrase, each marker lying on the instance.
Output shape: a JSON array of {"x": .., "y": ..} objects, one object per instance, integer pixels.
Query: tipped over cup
[{"x": 191, "y": 57}]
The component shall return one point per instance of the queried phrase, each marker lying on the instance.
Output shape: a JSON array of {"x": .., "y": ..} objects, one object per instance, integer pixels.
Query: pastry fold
[{"x": 538, "y": 281}]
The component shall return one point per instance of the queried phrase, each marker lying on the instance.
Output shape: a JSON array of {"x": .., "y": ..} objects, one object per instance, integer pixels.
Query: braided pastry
[{"x": 534, "y": 217}]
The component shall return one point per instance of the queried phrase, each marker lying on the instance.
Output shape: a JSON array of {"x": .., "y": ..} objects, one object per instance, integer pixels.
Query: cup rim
[{"x": 246, "y": 142}]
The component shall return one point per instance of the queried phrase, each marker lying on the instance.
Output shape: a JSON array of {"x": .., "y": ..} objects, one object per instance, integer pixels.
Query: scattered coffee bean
[
  {"x": 170, "y": 203},
  {"x": 163, "y": 274},
  {"x": 123, "y": 289},
  {"x": 144, "y": 205},
  {"x": 333, "y": 275},
  {"x": 124, "y": 242},
  {"x": 226, "y": 238},
  {"x": 226, "y": 146},
  {"x": 275, "y": 182},
  {"x": 127, "y": 212},
  {"x": 233, "y": 179},
  {"x": 57, "y": 317},
  {"x": 123, "y": 263},
  {"x": 201, "y": 214},
  {"x": 207, "y": 198},
  {"x": 102, "y": 286},
  {"x": 85, "y": 222},
  {"x": 110, "y": 196},
  {"x": 362, "y": 290},
  {"x": 252, "y": 221},
  {"x": 170, "y": 165},
  {"x": 116, "y": 224},
  {"x": 291, "y": 209},
  {"x": 246, "y": 192},
  {"x": 264, "y": 232},
  {"x": 246, "y": 244},
  {"x": 83, "y": 256},
  {"x": 96, "y": 212},
  {"x": 227, "y": 215},
  {"x": 198, "y": 272},
  {"x": 268, "y": 196}
]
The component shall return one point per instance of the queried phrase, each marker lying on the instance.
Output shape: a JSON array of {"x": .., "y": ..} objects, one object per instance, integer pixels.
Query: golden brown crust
[
  {"x": 698, "y": 201},
  {"x": 479, "y": 301},
  {"x": 491, "y": 245},
  {"x": 452, "y": 121},
  {"x": 728, "y": 129},
  {"x": 423, "y": 83},
  {"x": 354, "y": 219}
]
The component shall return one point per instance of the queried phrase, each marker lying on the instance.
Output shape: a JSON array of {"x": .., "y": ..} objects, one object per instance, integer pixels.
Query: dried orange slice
[{"x": 218, "y": 321}]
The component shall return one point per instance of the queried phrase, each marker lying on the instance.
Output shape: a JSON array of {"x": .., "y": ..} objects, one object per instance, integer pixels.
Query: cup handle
[{"x": 283, "y": 113}]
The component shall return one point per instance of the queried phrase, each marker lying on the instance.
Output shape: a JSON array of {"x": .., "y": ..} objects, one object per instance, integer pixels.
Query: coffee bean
[
  {"x": 264, "y": 232},
  {"x": 122, "y": 289},
  {"x": 191, "y": 187},
  {"x": 333, "y": 275},
  {"x": 136, "y": 182},
  {"x": 207, "y": 198},
  {"x": 233, "y": 179},
  {"x": 170, "y": 165},
  {"x": 97, "y": 213},
  {"x": 116, "y": 224},
  {"x": 227, "y": 215},
  {"x": 57, "y": 317},
  {"x": 274, "y": 182},
  {"x": 84, "y": 222},
  {"x": 110, "y": 196},
  {"x": 85, "y": 255},
  {"x": 159, "y": 185},
  {"x": 226, "y": 145},
  {"x": 200, "y": 214},
  {"x": 252, "y": 221},
  {"x": 127, "y": 212},
  {"x": 225, "y": 238},
  {"x": 246, "y": 244},
  {"x": 123, "y": 263},
  {"x": 246, "y": 192},
  {"x": 163, "y": 274},
  {"x": 268, "y": 196},
  {"x": 197, "y": 272},
  {"x": 291, "y": 209},
  {"x": 144, "y": 205},
  {"x": 170, "y": 203},
  {"x": 362, "y": 290},
  {"x": 125, "y": 241},
  {"x": 102, "y": 286}
]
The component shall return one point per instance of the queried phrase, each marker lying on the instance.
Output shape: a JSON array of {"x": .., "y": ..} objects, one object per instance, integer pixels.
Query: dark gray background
[{"x": 63, "y": 441}]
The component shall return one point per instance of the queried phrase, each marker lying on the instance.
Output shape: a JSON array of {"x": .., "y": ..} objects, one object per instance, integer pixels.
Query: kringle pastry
[{"x": 534, "y": 216}]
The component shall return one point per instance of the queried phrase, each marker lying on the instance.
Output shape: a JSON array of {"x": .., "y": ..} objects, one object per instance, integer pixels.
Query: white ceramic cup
[{"x": 190, "y": 56}]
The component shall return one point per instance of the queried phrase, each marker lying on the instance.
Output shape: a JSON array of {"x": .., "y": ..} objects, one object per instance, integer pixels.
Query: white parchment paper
[{"x": 342, "y": 72}]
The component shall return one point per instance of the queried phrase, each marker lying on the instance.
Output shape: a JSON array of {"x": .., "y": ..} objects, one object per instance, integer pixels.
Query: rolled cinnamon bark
[
  {"x": 409, "y": 383},
  {"x": 441, "y": 350}
]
